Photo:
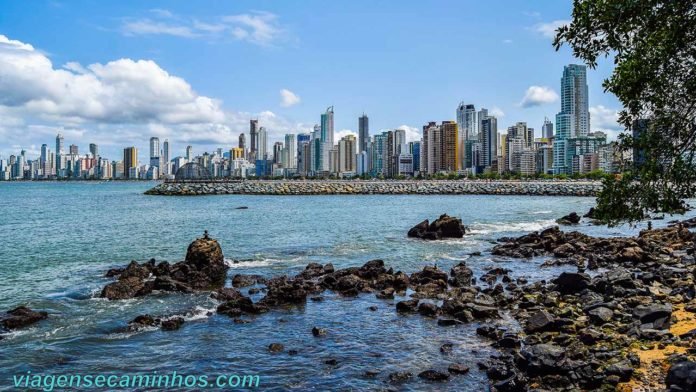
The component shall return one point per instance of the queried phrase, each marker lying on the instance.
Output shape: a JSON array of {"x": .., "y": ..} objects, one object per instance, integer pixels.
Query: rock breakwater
[{"x": 337, "y": 187}]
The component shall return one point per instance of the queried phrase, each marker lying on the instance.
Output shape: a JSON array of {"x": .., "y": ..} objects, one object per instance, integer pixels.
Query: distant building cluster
[{"x": 470, "y": 145}]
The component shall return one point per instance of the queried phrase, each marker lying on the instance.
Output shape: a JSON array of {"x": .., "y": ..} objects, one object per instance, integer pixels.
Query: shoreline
[{"x": 348, "y": 187}]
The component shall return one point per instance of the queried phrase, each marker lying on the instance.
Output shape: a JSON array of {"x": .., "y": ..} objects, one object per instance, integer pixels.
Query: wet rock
[
  {"x": 458, "y": 368},
  {"x": 142, "y": 321},
  {"x": 20, "y": 317},
  {"x": 433, "y": 375},
  {"x": 204, "y": 267},
  {"x": 316, "y": 331},
  {"x": 428, "y": 309},
  {"x": 172, "y": 324},
  {"x": 123, "y": 288},
  {"x": 166, "y": 283},
  {"x": 387, "y": 293},
  {"x": 540, "y": 321},
  {"x": 408, "y": 306},
  {"x": 681, "y": 377},
  {"x": 239, "y": 280},
  {"x": 460, "y": 275},
  {"x": 543, "y": 358},
  {"x": 276, "y": 347},
  {"x": 429, "y": 274},
  {"x": 446, "y": 348},
  {"x": 565, "y": 250},
  {"x": 572, "y": 282},
  {"x": 443, "y": 227},
  {"x": 284, "y": 291},
  {"x": 331, "y": 362},
  {"x": 372, "y": 269},
  {"x": 372, "y": 308},
  {"x": 448, "y": 322},
  {"x": 571, "y": 219},
  {"x": 399, "y": 377}
]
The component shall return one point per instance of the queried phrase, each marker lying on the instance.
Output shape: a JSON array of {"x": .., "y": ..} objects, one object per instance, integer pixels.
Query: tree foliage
[{"x": 653, "y": 44}]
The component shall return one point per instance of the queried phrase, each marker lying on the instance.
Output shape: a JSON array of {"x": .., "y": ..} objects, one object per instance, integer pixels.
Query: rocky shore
[
  {"x": 414, "y": 187},
  {"x": 624, "y": 320}
]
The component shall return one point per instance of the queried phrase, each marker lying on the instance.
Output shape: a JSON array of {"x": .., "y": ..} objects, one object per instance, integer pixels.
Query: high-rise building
[
  {"x": 189, "y": 154},
  {"x": 347, "y": 149},
  {"x": 262, "y": 143},
  {"x": 154, "y": 152},
  {"x": 303, "y": 158},
  {"x": 450, "y": 146},
  {"x": 290, "y": 151},
  {"x": 59, "y": 144},
  {"x": 573, "y": 121},
  {"x": 327, "y": 126},
  {"x": 253, "y": 135},
  {"x": 547, "y": 129},
  {"x": 489, "y": 140},
  {"x": 277, "y": 150},
  {"x": 74, "y": 150},
  {"x": 363, "y": 132},
  {"x": 242, "y": 142},
  {"x": 130, "y": 162},
  {"x": 165, "y": 163},
  {"x": 94, "y": 150},
  {"x": 468, "y": 129}
]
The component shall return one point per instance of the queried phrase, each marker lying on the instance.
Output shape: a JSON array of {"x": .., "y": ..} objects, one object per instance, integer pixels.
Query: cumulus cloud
[
  {"x": 257, "y": 27},
  {"x": 413, "y": 134},
  {"x": 123, "y": 90},
  {"x": 288, "y": 98},
  {"x": 548, "y": 29},
  {"x": 343, "y": 133},
  {"x": 114, "y": 104},
  {"x": 538, "y": 95},
  {"x": 606, "y": 120}
]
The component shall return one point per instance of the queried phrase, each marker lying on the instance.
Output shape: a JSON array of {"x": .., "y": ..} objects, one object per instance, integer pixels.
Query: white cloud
[
  {"x": 497, "y": 112},
  {"x": 257, "y": 27},
  {"x": 114, "y": 104},
  {"x": 288, "y": 98},
  {"x": 343, "y": 133},
  {"x": 606, "y": 120},
  {"x": 538, "y": 95},
  {"x": 123, "y": 90},
  {"x": 413, "y": 134},
  {"x": 548, "y": 29}
]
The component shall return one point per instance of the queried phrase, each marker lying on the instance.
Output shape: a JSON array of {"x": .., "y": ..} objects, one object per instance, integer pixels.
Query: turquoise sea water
[{"x": 60, "y": 238}]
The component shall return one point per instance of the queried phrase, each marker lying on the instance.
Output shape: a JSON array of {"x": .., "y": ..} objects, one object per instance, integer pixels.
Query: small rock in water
[
  {"x": 399, "y": 377},
  {"x": 372, "y": 308},
  {"x": 458, "y": 368},
  {"x": 446, "y": 348},
  {"x": 21, "y": 317},
  {"x": 571, "y": 219},
  {"x": 331, "y": 362},
  {"x": 276, "y": 347},
  {"x": 318, "y": 331},
  {"x": 242, "y": 208},
  {"x": 433, "y": 375},
  {"x": 172, "y": 324}
]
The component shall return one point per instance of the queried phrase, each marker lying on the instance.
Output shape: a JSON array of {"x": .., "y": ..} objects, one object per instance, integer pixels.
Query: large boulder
[
  {"x": 443, "y": 227},
  {"x": 206, "y": 268},
  {"x": 572, "y": 282},
  {"x": 21, "y": 317},
  {"x": 461, "y": 275},
  {"x": 571, "y": 219},
  {"x": 682, "y": 376}
]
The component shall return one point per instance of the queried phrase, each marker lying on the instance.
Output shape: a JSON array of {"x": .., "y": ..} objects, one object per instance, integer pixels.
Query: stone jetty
[{"x": 347, "y": 187}]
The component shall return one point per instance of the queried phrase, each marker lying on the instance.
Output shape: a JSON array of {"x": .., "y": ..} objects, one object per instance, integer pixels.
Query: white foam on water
[
  {"x": 199, "y": 313},
  {"x": 262, "y": 262},
  {"x": 488, "y": 228}
]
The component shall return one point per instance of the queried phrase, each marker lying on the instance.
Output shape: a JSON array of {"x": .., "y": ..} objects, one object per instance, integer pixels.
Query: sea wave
[
  {"x": 499, "y": 227},
  {"x": 260, "y": 262}
]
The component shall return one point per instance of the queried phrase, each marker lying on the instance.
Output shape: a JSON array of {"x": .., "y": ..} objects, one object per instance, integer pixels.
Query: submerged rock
[
  {"x": 21, "y": 316},
  {"x": 443, "y": 227}
]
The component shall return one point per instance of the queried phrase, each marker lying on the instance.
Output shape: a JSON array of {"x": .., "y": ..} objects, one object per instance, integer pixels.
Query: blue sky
[{"x": 116, "y": 73}]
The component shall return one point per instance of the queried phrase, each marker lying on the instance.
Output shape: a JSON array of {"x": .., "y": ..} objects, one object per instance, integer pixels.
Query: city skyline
[{"x": 203, "y": 107}]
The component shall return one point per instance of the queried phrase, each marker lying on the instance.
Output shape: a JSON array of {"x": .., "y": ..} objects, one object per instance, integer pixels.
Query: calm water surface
[{"x": 60, "y": 238}]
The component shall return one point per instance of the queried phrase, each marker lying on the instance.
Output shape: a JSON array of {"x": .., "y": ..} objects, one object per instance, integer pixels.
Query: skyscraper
[
  {"x": 74, "y": 150},
  {"x": 59, "y": 144},
  {"x": 242, "y": 141},
  {"x": 94, "y": 150},
  {"x": 290, "y": 150},
  {"x": 468, "y": 130},
  {"x": 130, "y": 162},
  {"x": 303, "y": 158},
  {"x": 277, "y": 149},
  {"x": 262, "y": 144},
  {"x": 450, "y": 146},
  {"x": 189, "y": 153},
  {"x": 253, "y": 135},
  {"x": 574, "y": 118},
  {"x": 363, "y": 132},
  {"x": 489, "y": 140},
  {"x": 154, "y": 151},
  {"x": 346, "y": 154},
  {"x": 547, "y": 129},
  {"x": 327, "y": 126}
]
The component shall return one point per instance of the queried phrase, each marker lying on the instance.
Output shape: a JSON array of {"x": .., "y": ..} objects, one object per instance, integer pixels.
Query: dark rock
[
  {"x": 387, "y": 293},
  {"x": 408, "y": 306},
  {"x": 457, "y": 368},
  {"x": 572, "y": 282},
  {"x": 600, "y": 315},
  {"x": 399, "y": 377},
  {"x": 276, "y": 347},
  {"x": 331, "y": 362},
  {"x": 21, "y": 317},
  {"x": 652, "y": 313},
  {"x": 372, "y": 308},
  {"x": 166, "y": 283},
  {"x": 682, "y": 376},
  {"x": 429, "y": 274},
  {"x": 543, "y": 359},
  {"x": 433, "y": 375},
  {"x": 540, "y": 321},
  {"x": 371, "y": 373},
  {"x": 446, "y": 348},
  {"x": 443, "y": 227},
  {"x": 427, "y": 309},
  {"x": 142, "y": 321},
  {"x": 571, "y": 219},
  {"x": 318, "y": 331},
  {"x": 448, "y": 322},
  {"x": 623, "y": 370},
  {"x": 239, "y": 280},
  {"x": 123, "y": 288},
  {"x": 172, "y": 323},
  {"x": 461, "y": 275}
]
